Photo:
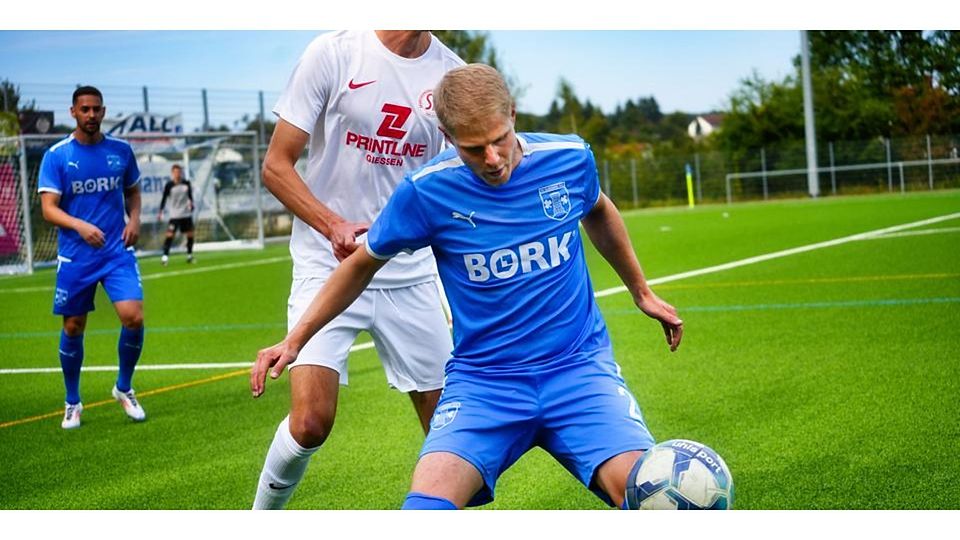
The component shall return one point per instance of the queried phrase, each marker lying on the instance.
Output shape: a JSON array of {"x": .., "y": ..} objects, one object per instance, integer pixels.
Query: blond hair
[{"x": 468, "y": 94}]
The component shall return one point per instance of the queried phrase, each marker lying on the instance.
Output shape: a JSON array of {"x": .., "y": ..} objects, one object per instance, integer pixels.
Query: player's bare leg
[
  {"x": 446, "y": 476},
  {"x": 424, "y": 403},
  {"x": 611, "y": 476},
  {"x": 313, "y": 403},
  {"x": 130, "y": 313},
  {"x": 74, "y": 325},
  {"x": 313, "y": 407}
]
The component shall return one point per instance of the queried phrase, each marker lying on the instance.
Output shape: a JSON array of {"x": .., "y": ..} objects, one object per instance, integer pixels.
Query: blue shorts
[
  {"x": 580, "y": 412},
  {"x": 77, "y": 282}
]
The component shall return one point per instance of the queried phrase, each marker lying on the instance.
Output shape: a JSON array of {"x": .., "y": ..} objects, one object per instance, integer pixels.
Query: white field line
[
  {"x": 160, "y": 367},
  {"x": 197, "y": 270},
  {"x": 598, "y": 294},
  {"x": 943, "y": 230},
  {"x": 784, "y": 253}
]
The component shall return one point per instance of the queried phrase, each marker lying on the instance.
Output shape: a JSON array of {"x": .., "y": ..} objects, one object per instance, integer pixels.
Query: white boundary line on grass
[
  {"x": 195, "y": 270},
  {"x": 784, "y": 253},
  {"x": 598, "y": 294},
  {"x": 160, "y": 367},
  {"x": 943, "y": 230}
]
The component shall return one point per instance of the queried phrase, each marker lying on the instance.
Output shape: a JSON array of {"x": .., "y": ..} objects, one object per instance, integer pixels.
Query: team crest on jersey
[
  {"x": 556, "y": 200},
  {"x": 114, "y": 162},
  {"x": 426, "y": 102},
  {"x": 444, "y": 415},
  {"x": 59, "y": 297}
]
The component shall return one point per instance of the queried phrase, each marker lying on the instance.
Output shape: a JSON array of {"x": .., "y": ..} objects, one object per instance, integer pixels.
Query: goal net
[{"x": 231, "y": 208}]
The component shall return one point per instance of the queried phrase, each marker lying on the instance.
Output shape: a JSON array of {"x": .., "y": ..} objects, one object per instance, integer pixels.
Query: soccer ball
[{"x": 680, "y": 475}]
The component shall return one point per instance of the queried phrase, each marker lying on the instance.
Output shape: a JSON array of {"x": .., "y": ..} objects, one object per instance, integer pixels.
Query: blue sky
[{"x": 693, "y": 71}]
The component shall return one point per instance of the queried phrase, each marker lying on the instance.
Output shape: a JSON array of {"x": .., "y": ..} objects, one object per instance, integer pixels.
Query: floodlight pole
[{"x": 813, "y": 177}]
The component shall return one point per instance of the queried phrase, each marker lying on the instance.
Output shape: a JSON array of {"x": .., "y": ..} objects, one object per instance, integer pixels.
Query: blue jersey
[
  {"x": 90, "y": 180},
  {"x": 510, "y": 257}
]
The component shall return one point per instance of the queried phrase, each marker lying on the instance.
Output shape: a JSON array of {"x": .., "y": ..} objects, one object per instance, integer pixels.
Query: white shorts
[{"x": 408, "y": 326}]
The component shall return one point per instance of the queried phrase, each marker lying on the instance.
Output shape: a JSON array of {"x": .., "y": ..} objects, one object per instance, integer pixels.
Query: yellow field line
[
  {"x": 757, "y": 283},
  {"x": 139, "y": 395}
]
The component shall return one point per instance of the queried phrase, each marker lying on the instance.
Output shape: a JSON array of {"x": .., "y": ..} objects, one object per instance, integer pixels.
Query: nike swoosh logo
[
  {"x": 278, "y": 486},
  {"x": 353, "y": 86},
  {"x": 65, "y": 353}
]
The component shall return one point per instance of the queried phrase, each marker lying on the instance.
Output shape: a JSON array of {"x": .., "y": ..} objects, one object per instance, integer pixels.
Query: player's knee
[
  {"x": 310, "y": 430},
  {"x": 74, "y": 326},
  {"x": 132, "y": 321}
]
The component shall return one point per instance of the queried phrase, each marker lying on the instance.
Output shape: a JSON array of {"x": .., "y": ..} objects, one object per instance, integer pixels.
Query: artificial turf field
[{"x": 827, "y": 378}]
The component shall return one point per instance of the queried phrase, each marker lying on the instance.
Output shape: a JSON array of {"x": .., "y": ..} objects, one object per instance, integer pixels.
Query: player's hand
[
  {"x": 131, "y": 233},
  {"x": 657, "y": 309},
  {"x": 91, "y": 234},
  {"x": 343, "y": 238},
  {"x": 160, "y": 215},
  {"x": 275, "y": 359}
]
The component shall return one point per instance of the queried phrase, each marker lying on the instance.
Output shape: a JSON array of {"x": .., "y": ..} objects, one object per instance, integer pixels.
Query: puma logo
[{"x": 468, "y": 219}]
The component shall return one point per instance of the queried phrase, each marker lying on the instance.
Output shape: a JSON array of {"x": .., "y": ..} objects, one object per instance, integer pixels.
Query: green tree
[
  {"x": 571, "y": 110},
  {"x": 10, "y": 98},
  {"x": 475, "y": 47}
]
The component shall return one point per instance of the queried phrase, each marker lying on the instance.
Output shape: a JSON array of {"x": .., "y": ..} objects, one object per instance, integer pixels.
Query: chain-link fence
[
  {"x": 780, "y": 171},
  {"x": 231, "y": 208},
  {"x": 656, "y": 179},
  {"x": 202, "y": 109}
]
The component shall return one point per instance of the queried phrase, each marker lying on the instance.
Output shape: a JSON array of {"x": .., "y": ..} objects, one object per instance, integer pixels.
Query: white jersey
[{"x": 369, "y": 113}]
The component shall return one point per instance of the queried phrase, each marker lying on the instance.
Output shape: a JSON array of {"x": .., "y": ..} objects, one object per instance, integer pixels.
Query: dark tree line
[{"x": 866, "y": 84}]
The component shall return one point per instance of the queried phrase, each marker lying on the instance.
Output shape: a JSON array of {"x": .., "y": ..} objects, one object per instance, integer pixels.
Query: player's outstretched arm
[
  {"x": 50, "y": 205},
  {"x": 606, "y": 230},
  {"x": 281, "y": 178},
  {"x": 344, "y": 286}
]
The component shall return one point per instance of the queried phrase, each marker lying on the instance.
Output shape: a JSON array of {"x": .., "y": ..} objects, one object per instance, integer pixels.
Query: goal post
[
  {"x": 232, "y": 210},
  {"x": 16, "y": 243}
]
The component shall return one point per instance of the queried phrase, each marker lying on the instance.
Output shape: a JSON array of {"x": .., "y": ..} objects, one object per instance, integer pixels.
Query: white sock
[{"x": 282, "y": 470}]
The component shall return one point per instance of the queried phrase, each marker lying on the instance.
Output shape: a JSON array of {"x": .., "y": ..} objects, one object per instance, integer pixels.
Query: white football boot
[
  {"x": 71, "y": 416},
  {"x": 130, "y": 404}
]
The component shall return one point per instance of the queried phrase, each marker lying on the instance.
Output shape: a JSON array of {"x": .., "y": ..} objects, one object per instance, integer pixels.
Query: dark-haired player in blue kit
[
  {"x": 532, "y": 363},
  {"x": 88, "y": 185}
]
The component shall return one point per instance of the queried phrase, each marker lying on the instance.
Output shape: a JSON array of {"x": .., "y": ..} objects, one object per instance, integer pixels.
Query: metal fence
[
  {"x": 779, "y": 171},
  {"x": 203, "y": 109},
  {"x": 232, "y": 210},
  {"x": 657, "y": 179}
]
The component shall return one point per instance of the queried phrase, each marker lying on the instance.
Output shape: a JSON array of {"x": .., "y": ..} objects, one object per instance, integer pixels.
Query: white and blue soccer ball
[{"x": 680, "y": 475}]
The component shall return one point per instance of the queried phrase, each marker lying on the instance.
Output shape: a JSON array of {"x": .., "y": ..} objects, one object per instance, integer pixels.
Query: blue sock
[
  {"x": 128, "y": 348},
  {"x": 422, "y": 501},
  {"x": 71, "y": 358}
]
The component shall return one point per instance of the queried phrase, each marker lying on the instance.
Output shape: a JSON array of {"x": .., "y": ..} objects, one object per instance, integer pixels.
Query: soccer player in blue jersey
[
  {"x": 532, "y": 363},
  {"x": 89, "y": 189}
]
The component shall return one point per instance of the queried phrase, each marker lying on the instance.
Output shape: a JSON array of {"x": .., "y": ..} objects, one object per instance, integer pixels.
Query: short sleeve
[
  {"x": 591, "y": 181},
  {"x": 309, "y": 86},
  {"x": 132, "y": 174},
  {"x": 401, "y": 226},
  {"x": 50, "y": 177}
]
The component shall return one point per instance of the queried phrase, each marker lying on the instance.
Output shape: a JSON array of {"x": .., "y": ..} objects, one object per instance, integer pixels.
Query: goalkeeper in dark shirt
[{"x": 180, "y": 195}]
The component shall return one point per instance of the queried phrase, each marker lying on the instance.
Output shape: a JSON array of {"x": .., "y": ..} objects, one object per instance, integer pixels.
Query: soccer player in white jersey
[
  {"x": 532, "y": 363},
  {"x": 363, "y": 101},
  {"x": 88, "y": 185}
]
